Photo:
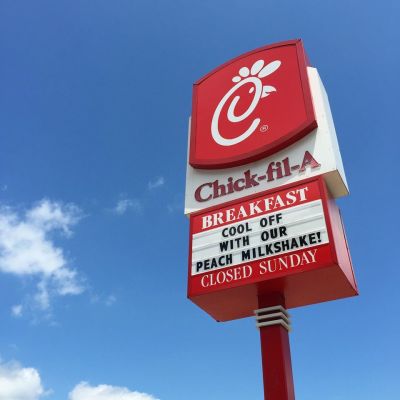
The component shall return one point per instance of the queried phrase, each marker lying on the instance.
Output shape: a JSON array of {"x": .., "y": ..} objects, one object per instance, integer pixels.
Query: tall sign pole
[
  {"x": 274, "y": 325},
  {"x": 263, "y": 172}
]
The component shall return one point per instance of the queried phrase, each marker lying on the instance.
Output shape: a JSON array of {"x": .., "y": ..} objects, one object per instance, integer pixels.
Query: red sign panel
[
  {"x": 289, "y": 241},
  {"x": 251, "y": 107}
]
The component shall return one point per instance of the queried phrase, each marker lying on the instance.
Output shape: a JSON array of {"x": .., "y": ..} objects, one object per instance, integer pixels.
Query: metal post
[{"x": 274, "y": 325}]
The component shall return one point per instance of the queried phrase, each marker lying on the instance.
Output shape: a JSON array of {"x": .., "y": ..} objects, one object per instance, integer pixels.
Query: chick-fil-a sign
[{"x": 251, "y": 107}]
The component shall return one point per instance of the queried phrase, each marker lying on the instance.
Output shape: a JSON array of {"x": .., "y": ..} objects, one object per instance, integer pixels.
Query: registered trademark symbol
[{"x": 263, "y": 128}]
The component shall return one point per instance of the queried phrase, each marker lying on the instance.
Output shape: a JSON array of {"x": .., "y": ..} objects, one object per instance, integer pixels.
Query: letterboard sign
[{"x": 290, "y": 240}]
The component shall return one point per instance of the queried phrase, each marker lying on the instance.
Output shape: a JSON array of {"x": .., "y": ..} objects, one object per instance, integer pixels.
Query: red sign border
[{"x": 309, "y": 125}]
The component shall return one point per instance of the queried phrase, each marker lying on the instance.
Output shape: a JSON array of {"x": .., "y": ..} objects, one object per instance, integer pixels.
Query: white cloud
[
  {"x": 53, "y": 215},
  {"x": 27, "y": 248},
  {"x": 18, "y": 383},
  {"x": 83, "y": 391},
  {"x": 123, "y": 205},
  {"x": 16, "y": 310},
  {"x": 23, "y": 383},
  {"x": 158, "y": 182}
]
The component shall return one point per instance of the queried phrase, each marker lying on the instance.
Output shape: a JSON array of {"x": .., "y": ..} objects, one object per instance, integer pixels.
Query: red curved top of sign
[{"x": 251, "y": 107}]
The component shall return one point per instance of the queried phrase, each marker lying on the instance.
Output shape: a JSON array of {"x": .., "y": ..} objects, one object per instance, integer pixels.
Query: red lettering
[
  {"x": 308, "y": 160},
  {"x": 197, "y": 193}
]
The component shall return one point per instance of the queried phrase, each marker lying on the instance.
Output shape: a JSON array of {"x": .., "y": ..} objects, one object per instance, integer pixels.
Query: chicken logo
[{"x": 258, "y": 90}]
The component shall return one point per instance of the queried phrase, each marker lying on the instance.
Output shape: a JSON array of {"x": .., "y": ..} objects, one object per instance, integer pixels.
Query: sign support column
[{"x": 274, "y": 325}]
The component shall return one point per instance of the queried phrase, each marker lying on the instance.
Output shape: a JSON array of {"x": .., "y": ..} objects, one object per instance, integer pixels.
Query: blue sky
[{"x": 94, "y": 102}]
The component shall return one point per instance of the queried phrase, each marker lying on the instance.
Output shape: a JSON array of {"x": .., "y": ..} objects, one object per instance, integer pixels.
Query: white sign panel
[{"x": 291, "y": 229}]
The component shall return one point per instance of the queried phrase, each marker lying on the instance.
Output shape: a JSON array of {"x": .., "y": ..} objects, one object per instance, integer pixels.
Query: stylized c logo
[
  {"x": 231, "y": 115},
  {"x": 257, "y": 72}
]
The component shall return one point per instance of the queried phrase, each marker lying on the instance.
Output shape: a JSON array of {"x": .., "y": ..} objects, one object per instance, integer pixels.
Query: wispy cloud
[
  {"x": 84, "y": 391},
  {"x": 16, "y": 310},
  {"x": 156, "y": 183},
  {"x": 110, "y": 300},
  {"x": 19, "y": 383},
  {"x": 27, "y": 248},
  {"x": 106, "y": 300},
  {"x": 125, "y": 204}
]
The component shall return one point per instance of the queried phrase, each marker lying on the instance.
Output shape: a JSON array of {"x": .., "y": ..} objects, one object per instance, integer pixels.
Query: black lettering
[
  {"x": 246, "y": 255},
  {"x": 264, "y": 236},
  {"x": 312, "y": 238},
  {"x": 263, "y": 222},
  {"x": 303, "y": 240},
  {"x": 285, "y": 245},
  {"x": 268, "y": 249},
  {"x": 223, "y": 246}
]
